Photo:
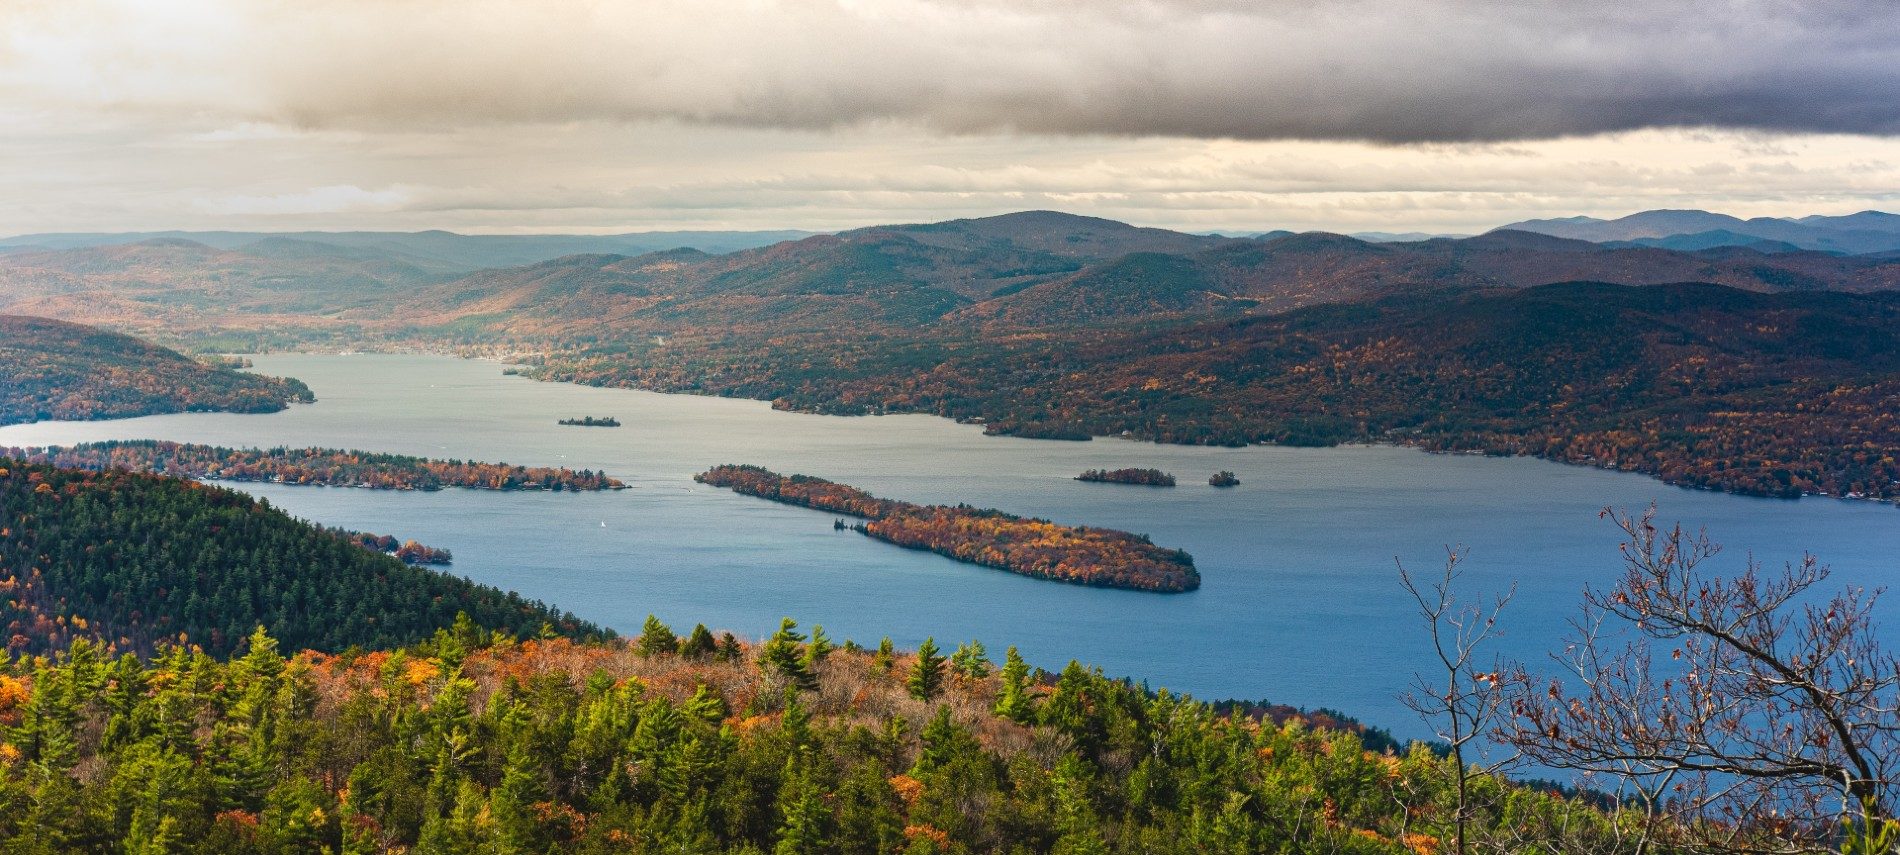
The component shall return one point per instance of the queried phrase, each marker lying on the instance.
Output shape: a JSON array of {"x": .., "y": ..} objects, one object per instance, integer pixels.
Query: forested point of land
[
  {"x": 319, "y": 466},
  {"x": 407, "y": 551},
  {"x": 57, "y": 370},
  {"x": 136, "y": 561},
  {"x": 1084, "y": 555},
  {"x": 475, "y": 741}
]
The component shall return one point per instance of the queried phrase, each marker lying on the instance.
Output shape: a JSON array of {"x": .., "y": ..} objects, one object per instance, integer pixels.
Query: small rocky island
[
  {"x": 1144, "y": 477},
  {"x": 1223, "y": 478},
  {"x": 592, "y": 421},
  {"x": 1082, "y": 555}
]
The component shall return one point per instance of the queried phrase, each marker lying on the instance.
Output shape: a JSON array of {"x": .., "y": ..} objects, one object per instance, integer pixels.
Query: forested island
[
  {"x": 1145, "y": 477},
  {"x": 1223, "y": 478},
  {"x": 1081, "y": 555},
  {"x": 57, "y": 370},
  {"x": 591, "y": 421},
  {"x": 317, "y": 466}
]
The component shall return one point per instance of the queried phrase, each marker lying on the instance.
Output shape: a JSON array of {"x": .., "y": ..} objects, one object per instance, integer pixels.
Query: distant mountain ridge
[
  {"x": 1039, "y": 270},
  {"x": 1854, "y": 234},
  {"x": 460, "y": 252},
  {"x": 1029, "y": 270}
]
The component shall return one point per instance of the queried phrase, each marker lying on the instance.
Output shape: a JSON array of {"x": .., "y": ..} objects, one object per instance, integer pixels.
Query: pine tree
[
  {"x": 782, "y": 654},
  {"x": 699, "y": 644},
  {"x": 707, "y": 705},
  {"x": 971, "y": 660},
  {"x": 818, "y": 648},
  {"x": 802, "y": 804},
  {"x": 926, "y": 675},
  {"x": 886, "y": 655},
  {"x": 729, "y": 649},
  {"x": 1013, "y": 702},
  {"x": 657, "y": 639}
]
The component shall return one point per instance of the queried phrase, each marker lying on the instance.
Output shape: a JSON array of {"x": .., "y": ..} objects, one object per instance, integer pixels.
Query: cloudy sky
[{"x": 1245, "y": 115}]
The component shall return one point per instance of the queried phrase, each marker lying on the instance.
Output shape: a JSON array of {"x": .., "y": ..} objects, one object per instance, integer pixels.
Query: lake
[{"x": 1299, "y": 601}]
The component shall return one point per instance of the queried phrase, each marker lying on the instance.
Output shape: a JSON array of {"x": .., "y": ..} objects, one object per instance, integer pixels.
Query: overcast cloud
[{"x": 567, "y": 114}]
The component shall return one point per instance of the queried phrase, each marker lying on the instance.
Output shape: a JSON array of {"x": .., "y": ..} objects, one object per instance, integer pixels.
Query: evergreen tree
[
  {"x": 657, "y": 639},
  {"x": 707, "y": 705},
  {"x": 886, "y": 655},
  {"x": 818, "y": 648},
  {"x": 730, "y": 650},
  {"x": 971, "y": 660},
  {"x": 801, "y": 804},
  {"x": 699, "y": 644},
  {"x": 782, "y": 654},
  {"x": 1013, "y": 702},
  {"x": 926, "y": 674}
]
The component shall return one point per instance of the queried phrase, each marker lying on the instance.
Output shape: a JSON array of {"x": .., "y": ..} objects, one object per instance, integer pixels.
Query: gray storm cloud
[{"x": 1400, "y": 71}]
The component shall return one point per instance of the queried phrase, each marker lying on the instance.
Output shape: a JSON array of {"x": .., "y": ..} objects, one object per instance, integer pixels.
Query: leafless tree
[
  {"x": 1753, "y": 711},
  {"x": 1463, "y": 699}
]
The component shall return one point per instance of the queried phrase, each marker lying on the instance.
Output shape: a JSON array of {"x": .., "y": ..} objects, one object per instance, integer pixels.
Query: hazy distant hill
[
  {"x": 1023, "y": 271},
  {"x": 55, "y": 370},
  {"x": 1000, "y": 276},
  {"x": 1709, "y": 240},
  {"x": 164, "y": 286},
  {"x": 457, "y": 252},
  {"x": 888, "y": 275},
  {"x": 1865, "y": 232}
]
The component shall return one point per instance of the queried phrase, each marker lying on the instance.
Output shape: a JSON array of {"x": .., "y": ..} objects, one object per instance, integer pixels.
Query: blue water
[{"x": 1299, "y": 602}]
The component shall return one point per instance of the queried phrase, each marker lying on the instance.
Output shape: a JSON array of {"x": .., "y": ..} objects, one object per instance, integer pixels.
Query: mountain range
[
  {"x": 1023, "y": 271},
  {"x": 1853, "y": 234}
]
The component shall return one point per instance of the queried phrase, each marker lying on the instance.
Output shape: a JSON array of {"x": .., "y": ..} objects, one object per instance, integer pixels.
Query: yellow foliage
[
  {"x": 14, "y": 695},
  {"x": 420, "y": 671}
]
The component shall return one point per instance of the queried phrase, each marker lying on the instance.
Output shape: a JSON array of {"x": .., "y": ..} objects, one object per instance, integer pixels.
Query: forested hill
[
  {"x": 57, "y": 370},
  {"x": 1703, "y": 385},
  {"x": 135, "y": 559}
]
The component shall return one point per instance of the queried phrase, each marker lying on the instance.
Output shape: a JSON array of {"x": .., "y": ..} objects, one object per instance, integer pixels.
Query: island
[
  {"x": 1144, "y": 477},
  {"x": 590, "y": 421},
  {"x": 407, "y": 551},
  {"x": 1082, "y": 555},
  {"x": 321, "y": 466},
  {"x": 1223, "y": 478}
]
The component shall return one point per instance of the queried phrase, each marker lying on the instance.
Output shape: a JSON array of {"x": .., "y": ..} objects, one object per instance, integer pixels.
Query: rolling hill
[
  {"x": 1016, "y": 272},
  {"x": 1006, "y": 277},
  {"x": 1699, "y": 384}
]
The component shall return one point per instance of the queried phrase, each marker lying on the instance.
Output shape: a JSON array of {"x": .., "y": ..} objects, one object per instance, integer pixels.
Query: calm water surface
[{"x": 1299, "y": 602}]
